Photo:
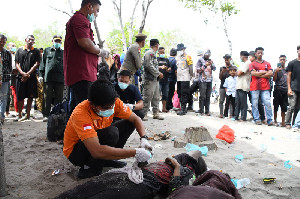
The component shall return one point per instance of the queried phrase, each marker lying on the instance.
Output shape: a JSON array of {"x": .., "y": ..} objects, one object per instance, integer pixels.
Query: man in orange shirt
[{"x": 92, "y": 140}]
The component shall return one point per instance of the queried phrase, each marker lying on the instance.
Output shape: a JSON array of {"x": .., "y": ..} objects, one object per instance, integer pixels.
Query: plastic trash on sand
[
  {"x": 192, "y": 147},
  {"x": 288, "y": 165},
  {"x": 263, "y": 148},
  {"x": 239, "y": 158},
  {"x": 240, "y": 183},
  {"x": 226, "y": 133}
]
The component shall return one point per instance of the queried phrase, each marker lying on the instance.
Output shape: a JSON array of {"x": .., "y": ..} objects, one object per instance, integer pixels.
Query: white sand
[{"x": 30, "y": 159}]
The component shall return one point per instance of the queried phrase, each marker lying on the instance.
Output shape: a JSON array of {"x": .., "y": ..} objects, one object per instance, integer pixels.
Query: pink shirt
[{"x": 78, "y": 64}]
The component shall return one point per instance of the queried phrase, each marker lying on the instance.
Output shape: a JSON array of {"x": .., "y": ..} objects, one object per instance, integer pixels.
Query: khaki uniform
[
  {"x": 151, "y": 83},
  {"x": 132, "y": 60}
]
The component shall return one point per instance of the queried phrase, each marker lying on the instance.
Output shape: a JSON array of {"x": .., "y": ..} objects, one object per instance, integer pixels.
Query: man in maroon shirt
[
  {"x": 261, "y": 71},
  {"x": 80, "y": 52}
]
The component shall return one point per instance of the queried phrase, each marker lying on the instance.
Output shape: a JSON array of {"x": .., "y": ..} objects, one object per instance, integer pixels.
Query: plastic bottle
[
  {"x": 242, "y": 182},
  {"x": 263, "y": 148}
]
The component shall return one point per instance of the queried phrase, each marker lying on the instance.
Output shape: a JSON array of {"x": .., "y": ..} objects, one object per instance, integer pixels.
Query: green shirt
[{"x": 51, "y": 68}]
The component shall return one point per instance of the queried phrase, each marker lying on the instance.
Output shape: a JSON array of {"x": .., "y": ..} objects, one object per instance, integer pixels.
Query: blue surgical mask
[
  {"x": 14, "y": 49},
  {"x": 241, "y": 60},
  {"x": 57, "y": 45},
  {"x": 91, "y": 17},
  {"x": 106, "y": 113},
  {"x": 122, "y": 85},
  {"x": 162, "y": 55}
]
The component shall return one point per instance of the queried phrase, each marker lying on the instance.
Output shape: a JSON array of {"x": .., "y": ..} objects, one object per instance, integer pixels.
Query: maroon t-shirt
[
  {"x": 258, "y": 83},
  {"x": 78, "y": 64}
]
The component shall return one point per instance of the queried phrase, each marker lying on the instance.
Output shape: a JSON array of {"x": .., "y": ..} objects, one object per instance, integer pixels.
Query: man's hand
[
  {"x": 290, "y": 92},
  {"x": 173, "y": 162},
  {"x": 161, "y": 76},
  {"x": 142, "y": 155},
  {"x": 169, "y": 69},
  {"x": 25, "y": 76},
  {"x": 145, "y": 144},
  {"x": 278, "y": 69}
]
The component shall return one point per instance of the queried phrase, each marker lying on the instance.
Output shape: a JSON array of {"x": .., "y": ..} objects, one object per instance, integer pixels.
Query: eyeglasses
[{"x": 282, "y": 59}]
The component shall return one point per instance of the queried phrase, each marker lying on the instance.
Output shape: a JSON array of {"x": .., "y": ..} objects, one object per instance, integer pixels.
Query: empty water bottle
[{"x": 242, "y": 183}]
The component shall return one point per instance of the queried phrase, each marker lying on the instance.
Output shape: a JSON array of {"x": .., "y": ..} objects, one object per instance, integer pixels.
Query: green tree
[{"x": 224, "y": 8}]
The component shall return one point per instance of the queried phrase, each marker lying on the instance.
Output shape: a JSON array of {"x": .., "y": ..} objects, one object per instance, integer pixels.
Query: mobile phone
[{"x": 279, "y": 65}]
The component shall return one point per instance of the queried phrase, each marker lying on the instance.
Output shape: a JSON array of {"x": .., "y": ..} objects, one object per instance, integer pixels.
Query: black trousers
[
  {"x": 115, "y": 135},
  {"x": 229, "y": 100},
  {"x": 194, "y": 87},
  {"x": 205, "y": 93},
  {"x": 139, "y": 113},
  {"x": 170, "y": 95},
  {"x": 241, "y": 104},
  {"x": 79, "y": 92},
  {"x": 183, "y": 89}
]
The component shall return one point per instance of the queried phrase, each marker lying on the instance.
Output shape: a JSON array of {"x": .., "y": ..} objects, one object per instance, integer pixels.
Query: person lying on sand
[{"x": 158, "y": 178}]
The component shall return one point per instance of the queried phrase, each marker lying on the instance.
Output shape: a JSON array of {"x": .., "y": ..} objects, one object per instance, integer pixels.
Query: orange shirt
[{"x": 84, "y": 123}]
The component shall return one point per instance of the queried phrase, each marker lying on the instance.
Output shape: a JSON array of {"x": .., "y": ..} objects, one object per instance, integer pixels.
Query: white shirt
[
  {"x": 230, "y": 83},
  {"x": 243, "y": 81}
]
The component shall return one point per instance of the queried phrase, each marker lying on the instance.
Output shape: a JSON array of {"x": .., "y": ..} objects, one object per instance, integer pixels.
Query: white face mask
[{"x": 180, "y": 53}]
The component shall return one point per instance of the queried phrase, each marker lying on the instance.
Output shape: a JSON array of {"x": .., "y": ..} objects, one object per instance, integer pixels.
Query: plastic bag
[
  {"x": 192, "y": 147},
  {"x": 176, "y": 102},
  {"x": 226, "y": 133}
]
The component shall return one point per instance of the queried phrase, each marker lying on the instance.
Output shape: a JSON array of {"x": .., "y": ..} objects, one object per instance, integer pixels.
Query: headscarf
[{"x": 117, "y": 57}]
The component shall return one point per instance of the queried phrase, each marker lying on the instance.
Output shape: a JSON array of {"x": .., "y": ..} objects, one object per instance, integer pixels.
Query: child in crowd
[{"x": 229, "y": 85}]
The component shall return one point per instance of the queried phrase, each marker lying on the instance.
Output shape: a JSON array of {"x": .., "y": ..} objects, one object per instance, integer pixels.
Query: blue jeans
[
  {"x": 164, "y": 89},
  {"x": 297, "y": 121},
  {"x": 266, "y": 99},
  {"x": 3, "y": 98}
]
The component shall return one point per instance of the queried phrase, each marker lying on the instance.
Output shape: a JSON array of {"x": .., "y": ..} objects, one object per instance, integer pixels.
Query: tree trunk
[
  {"x": 2, "y": 167},
  {"x": 71, "y": 7},
  {"x": 224, "y": 18},
  {"x": 145, "y": 12},
  {"x": 119, "y": 11},
  {"x": 131, "y": 23}
]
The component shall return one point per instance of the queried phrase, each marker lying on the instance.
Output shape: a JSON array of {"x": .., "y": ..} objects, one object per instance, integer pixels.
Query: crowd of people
[{"x": 110, "y": 95}]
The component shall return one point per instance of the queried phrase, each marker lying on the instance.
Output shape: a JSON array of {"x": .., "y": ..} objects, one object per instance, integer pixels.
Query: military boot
[{"x": 157, "y": 116}]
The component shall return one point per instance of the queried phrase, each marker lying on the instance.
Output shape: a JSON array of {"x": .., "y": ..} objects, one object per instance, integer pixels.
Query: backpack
[{"x": 57, "y": 122}]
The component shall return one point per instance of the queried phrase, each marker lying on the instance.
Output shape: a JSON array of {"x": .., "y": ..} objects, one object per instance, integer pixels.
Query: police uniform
[
  {"x": 151, "y": 83},
  {"x": 184, "y": 75},
  {"x": 132, "y": 60}
]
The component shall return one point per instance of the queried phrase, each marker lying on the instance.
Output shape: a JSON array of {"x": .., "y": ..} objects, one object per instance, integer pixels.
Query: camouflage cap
[{"x": 141, "y": 36}]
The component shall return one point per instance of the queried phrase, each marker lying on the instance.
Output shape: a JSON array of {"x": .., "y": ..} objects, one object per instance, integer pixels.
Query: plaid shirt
[{"x": 7, "y": 65}]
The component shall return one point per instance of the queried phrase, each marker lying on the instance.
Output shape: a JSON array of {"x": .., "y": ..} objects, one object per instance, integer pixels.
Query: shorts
[
  {"x": 26, "y": 89},
  {"x": 280, "y": 98}
]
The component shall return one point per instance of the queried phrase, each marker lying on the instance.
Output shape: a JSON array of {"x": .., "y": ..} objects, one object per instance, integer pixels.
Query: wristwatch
[
  {"x": 144, "y": 136},
  {"x": 133, "y": 107}
]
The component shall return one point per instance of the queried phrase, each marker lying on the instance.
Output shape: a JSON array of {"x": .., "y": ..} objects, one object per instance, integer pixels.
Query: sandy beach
[{"x": 30, "y": 159}]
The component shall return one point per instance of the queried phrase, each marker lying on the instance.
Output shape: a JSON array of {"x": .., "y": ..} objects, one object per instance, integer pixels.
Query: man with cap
[
  {"x": 151, "y": 81},
  {"x": 242, "y": 87},
  {"x": 205, "y": 67},
  {"x": 184, "y": 76},
  {"x": 224, "y": 73},
  {"x": 132, "y": 60},
  {"x": 52, "y": 73}
]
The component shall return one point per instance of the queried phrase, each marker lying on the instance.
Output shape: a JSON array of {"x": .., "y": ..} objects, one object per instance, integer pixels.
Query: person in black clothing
[
  {"x": 27, "y": 61},
  {"x": 172, "y": 77},
  {"x": 164, "y": 68},
  {"x": 129, "y": 93}
]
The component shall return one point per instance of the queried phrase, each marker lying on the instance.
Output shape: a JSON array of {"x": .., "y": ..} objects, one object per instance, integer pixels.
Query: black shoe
[
  {"x": 88, "y": 173},
  {"x": 182, "y": 112},
  {"x": 190, "y": 109},
  {"x": 198, "y": 112},
  {"x": 114, "y": 164}
]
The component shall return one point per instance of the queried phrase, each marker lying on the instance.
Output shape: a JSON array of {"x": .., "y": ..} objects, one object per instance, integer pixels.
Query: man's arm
[
  {"x": 149, "y": 67},
  {"x": 276, "y": 73},
  {"x": 289, "y": 77},
  {"x": 240, "y": 73},
  {"x": 268, "y": 74},
  {"x": 258, "y": 74},
  {"x": 98, "y": 151},
  {"x": 136, "y": 56},
  {"x": 139, "y": 105},
  {"x": 88, "y": 45},
  {"x": 137, "y": 122},
  {"x": 33, "y": 68}
]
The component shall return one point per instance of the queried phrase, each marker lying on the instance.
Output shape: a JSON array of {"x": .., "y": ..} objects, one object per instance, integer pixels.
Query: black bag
[{"x": 57, "y": 122}]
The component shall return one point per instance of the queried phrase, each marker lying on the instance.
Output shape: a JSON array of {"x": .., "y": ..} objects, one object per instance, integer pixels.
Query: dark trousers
[
  {"x": 183, "y": 89},
  {"x": 79, "y": 92},
  {"x": 194, "y": 87},
  {"x": 205, "y": 92},
  {"x": 170, "y": 95},
  {"x": 241, "y": 104},
  {"x": 53, "y": 90},
  {"x": 115, "y": 135},
  {"x": 261, "y": 108},
  {"x": 164, "y": 89},
  {"x": 139, "y": 113},
  {"x": 230, "y": 100}
]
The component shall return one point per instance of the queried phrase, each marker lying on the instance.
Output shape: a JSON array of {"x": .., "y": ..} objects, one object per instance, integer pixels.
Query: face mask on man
[
  {"x": 162, "y": 55},
  {"x": 122, "y": 85},
  {"x": 91, "y": 17},
  {"x": 13, "y": 49},
  {"x": 180, "y": 53},
  {"x": 57, "y": 45},
  {"x": 106, "y": 113}
]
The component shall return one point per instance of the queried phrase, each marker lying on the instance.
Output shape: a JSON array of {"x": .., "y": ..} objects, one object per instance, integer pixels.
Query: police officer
[
  {"x": 151, "y": 83},
  {"x": 51, "y": 71},
  {"x": 184, "y": 75},
  {"x": 132, "y": 61}
]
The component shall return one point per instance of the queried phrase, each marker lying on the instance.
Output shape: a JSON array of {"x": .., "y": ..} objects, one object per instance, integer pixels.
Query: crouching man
[{"x": 92, "y": 142}]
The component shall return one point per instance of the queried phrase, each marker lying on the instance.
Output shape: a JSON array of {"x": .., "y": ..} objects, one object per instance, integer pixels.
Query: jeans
[
  {"x": 170, "y": 95},
  {"x": 205, "y": 92},
  {"x": 3, "y": 98},
  {"x": 241, "y": 104},
  {"x": 164, "y": 89},
  {"x": 297, "y": 121},
  {"x": 266, "y": 99}
]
